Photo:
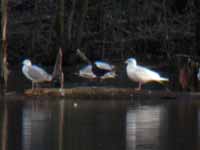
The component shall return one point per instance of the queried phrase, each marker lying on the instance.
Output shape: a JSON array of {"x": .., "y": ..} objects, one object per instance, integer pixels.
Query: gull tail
[{"x": 162, "y": 79}]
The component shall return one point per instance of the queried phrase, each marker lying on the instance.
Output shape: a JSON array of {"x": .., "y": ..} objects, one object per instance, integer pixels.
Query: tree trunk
[
  {"x": 166, "y": 36},
  {"x": 197, "y": 26},
  {"x": 70, "y": 21},
  {"x": 60, "y": 23},
  {"x": 3, "y": 57},
  {"x": 84, "y": 10}
]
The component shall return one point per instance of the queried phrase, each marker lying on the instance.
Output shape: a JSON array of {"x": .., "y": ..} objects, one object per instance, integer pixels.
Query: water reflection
[
  {"x": 131, "y": 129},
  {"x": 36, "y": 124},
  {"x": 144, "y": 127},
  {"x": 94, "y": 125}
]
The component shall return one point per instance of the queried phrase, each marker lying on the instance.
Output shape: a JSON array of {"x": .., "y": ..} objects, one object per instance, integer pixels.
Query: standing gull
[
  {"x": 198, "y": 74},
  {"x": 35, "y": 73},
  {"x": 141, "y": 74}
]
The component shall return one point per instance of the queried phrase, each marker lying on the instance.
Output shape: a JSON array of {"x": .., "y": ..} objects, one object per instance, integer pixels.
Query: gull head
[
  {"x": 27, "y": 62},
  {"x": 131, "y": 61}
]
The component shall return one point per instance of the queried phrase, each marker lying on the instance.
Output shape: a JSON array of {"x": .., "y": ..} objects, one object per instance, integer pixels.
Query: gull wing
[
  {"x": 109, "y": 75},
  {"x": 86, "y": 72},
  {"x": 38, "y": 74},
  {"x": 87, "y": 68},
  {"x": 146, "y": 74},
  {"x": 104, "y": 65}
]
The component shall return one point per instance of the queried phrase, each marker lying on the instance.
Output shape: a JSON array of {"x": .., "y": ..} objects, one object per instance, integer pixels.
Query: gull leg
[
  {"x": 61, "y": 80},
  {"x": 32, "y": 85},
  {"x": 37, "y": 85},
  {"x": 139, "y": 87}
]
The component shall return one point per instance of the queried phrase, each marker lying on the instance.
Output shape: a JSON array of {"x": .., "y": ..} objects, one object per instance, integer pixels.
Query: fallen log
[{"x": 100, "y": 93}]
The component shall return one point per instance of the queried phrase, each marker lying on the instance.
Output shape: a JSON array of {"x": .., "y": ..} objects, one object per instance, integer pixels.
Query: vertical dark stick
[
  {"x": 61, "y": 69},
  {"x": 60, "y": 16},
  {"x": 60, "y": 19},
  {"x": 197, "y": 40},
  {"x": 84, "y": 10},
  {"x": 70, "y": 21},
  {"x": 4, "y": 129},
  {"x": 3, "y": 61},
  {"x": 61, "y": 124},
  {"x": 166, "y": 27},
  {"x": 197, "y": 25}
]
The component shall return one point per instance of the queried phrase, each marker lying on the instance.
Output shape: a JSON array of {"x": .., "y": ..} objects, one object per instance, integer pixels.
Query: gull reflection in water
[
  {"x": 35, "y": 125},
  {"x": 143, "y": 125}
]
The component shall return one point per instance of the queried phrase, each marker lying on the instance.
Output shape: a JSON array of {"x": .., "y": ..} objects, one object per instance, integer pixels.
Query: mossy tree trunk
[{"x": 3, "y": 57}]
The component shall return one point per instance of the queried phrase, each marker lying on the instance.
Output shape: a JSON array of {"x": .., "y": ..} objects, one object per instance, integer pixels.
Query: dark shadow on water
[{"x": 104, "y": 124}]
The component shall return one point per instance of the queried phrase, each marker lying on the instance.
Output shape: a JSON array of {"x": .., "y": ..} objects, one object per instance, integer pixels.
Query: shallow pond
[{"x": 60, "y": 124}]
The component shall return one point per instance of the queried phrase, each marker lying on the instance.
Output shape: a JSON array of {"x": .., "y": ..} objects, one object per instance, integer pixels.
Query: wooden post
[{"x": 3, "y": 57}]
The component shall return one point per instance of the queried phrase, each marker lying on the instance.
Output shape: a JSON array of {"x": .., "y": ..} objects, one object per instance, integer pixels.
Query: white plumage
[
  {"x": 104, "y": 65},
  {"x": 35, "y": 73},
  {"x": 86, "y": 71},
  {"x": 198, "y": 74},
  {"x": 141, "y": 74}
]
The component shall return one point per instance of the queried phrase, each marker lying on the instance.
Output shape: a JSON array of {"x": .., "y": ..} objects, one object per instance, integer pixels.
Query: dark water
[{"x": 100, "y": 125}]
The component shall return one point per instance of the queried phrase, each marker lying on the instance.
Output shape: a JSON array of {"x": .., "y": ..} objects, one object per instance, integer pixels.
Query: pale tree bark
[{"x": 3, "y": 57}]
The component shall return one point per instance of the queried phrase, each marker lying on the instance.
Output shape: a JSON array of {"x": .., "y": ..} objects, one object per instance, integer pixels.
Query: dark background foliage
[{"x": 107, "y": 29}]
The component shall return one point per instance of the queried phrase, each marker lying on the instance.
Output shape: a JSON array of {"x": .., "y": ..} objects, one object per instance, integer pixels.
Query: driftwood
[{"x": 100, "y": 93}]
